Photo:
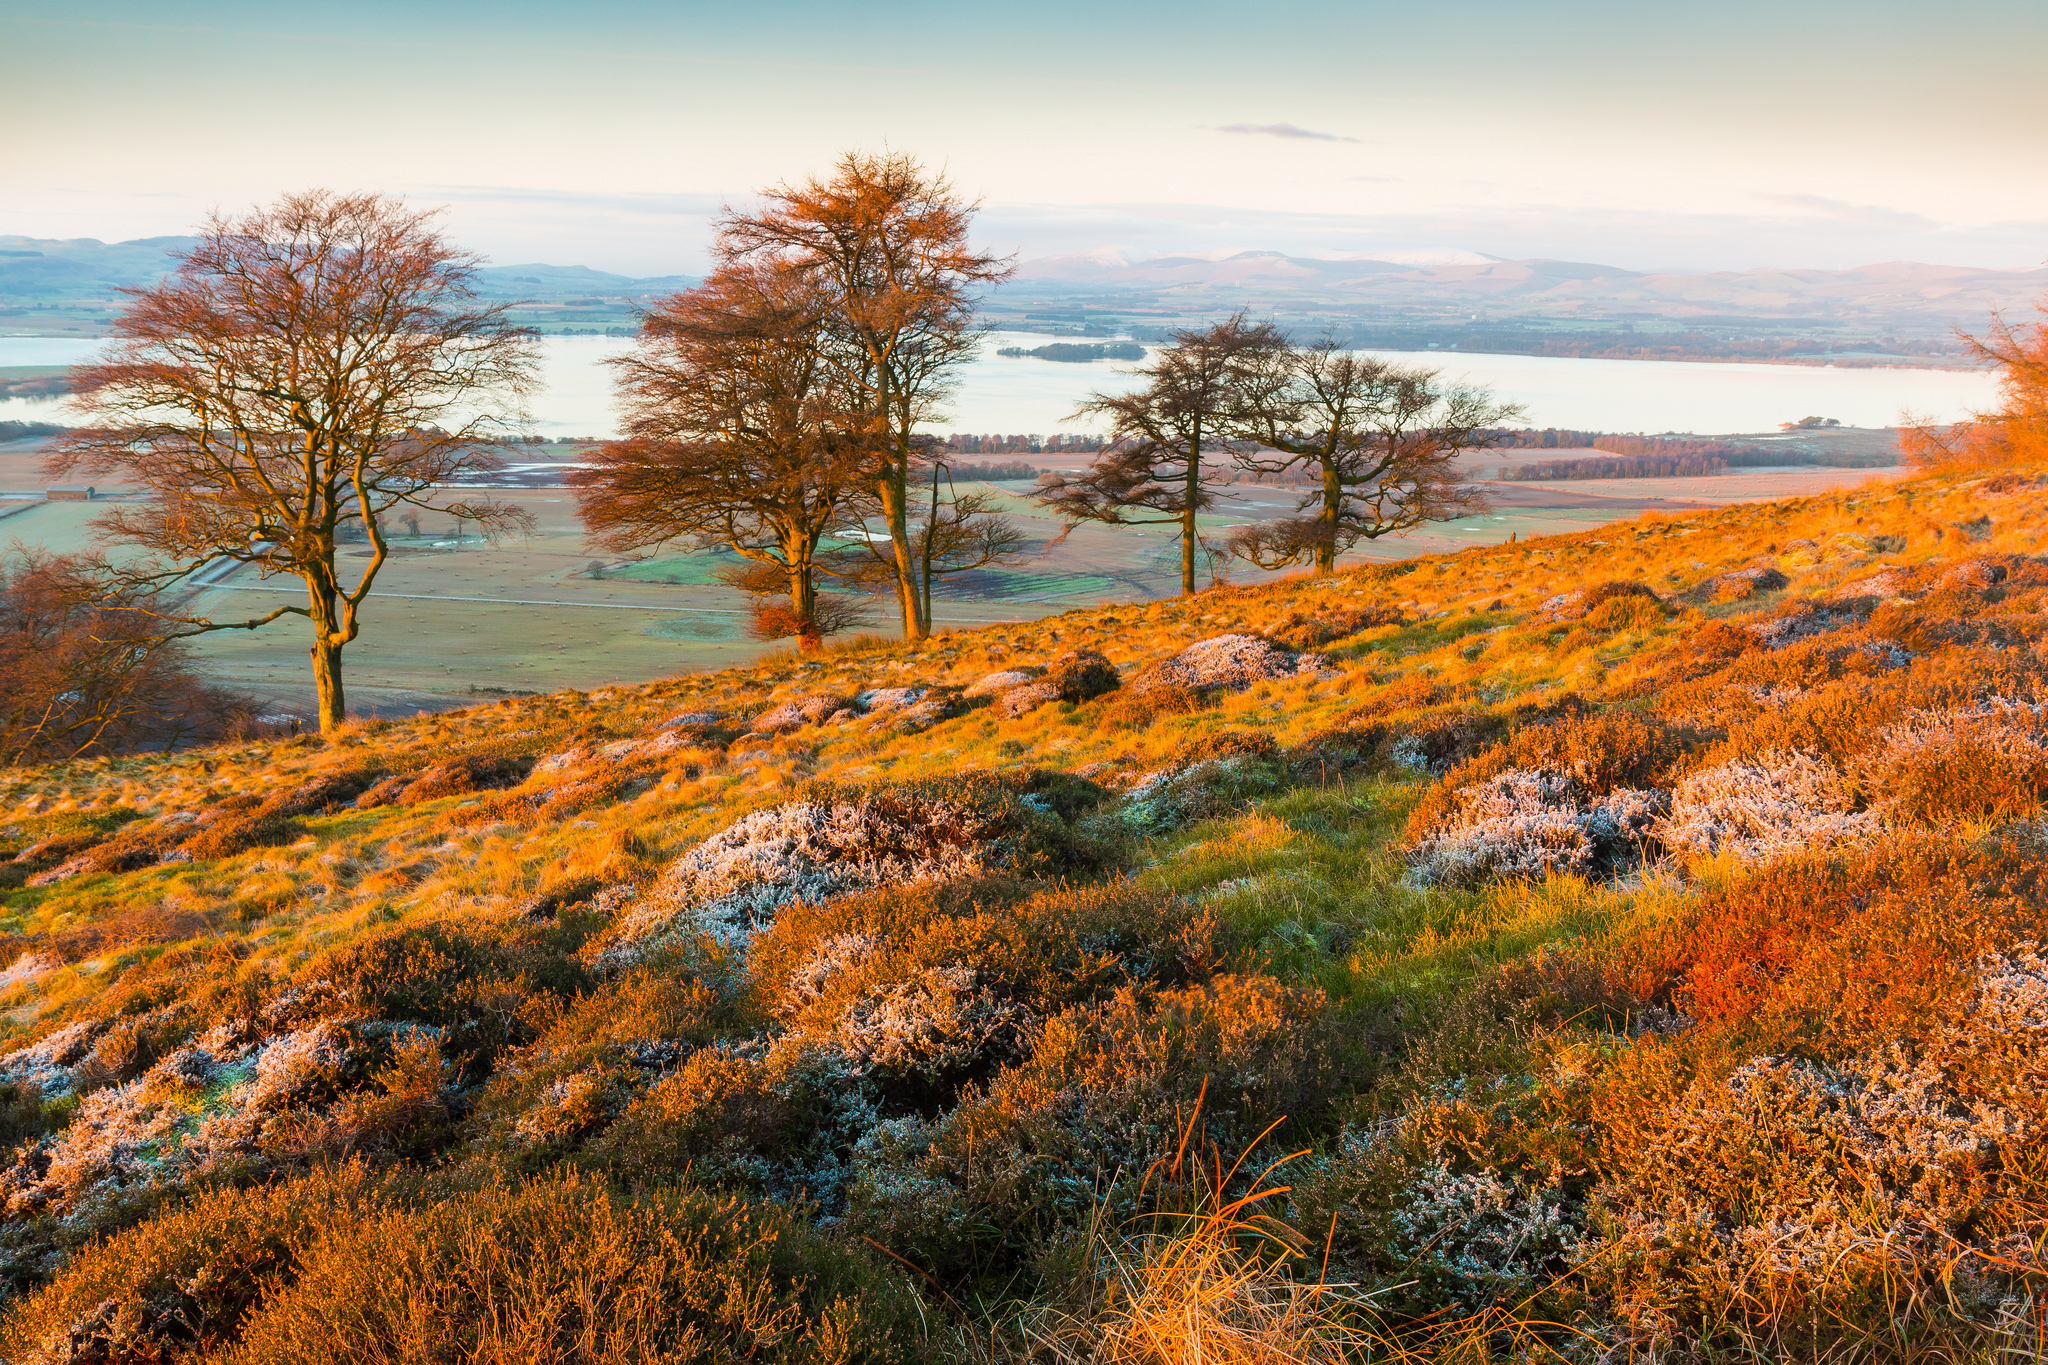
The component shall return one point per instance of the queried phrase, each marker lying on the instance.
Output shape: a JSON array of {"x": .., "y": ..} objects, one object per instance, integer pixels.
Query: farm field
[{"x": 451, "y": 620}]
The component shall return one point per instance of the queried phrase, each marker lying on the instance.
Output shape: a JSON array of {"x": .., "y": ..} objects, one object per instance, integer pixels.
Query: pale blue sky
[{"x": 1720, "y": 135}]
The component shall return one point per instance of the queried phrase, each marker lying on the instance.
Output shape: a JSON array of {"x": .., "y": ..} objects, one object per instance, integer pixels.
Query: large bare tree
[
  {"x": 736, "y": 436},
  {"x": 1382, "y": 441},
  {"x": 306, "y": 369},
  {"x": 1161, "y": 465},
  {"x": 889, "y": 240}
]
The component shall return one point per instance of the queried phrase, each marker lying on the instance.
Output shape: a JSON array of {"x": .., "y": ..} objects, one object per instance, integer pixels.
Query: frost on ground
[
  {"x": 1177, "y": 796},
  {"x": 1758, "y": 809},
  {"x": 1527, "y": 822},
  {"x": 1003, "y": 680},
  {"x": 1486, "y": 1238},
  {"x": 1227, "y": 662},
  {"x": 1885, "y": 1170},
  {"x": 907, "y": 710},
  {"x": 222, "y": 1105},
  {"x": 732, "y": 884},
  {"x": 1078, "y": 676},
  {"x": 940, "y": 1022}
]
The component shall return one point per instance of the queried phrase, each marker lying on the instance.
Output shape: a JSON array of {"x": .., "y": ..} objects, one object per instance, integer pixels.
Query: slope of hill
[{"x": 1613, "y": 944}]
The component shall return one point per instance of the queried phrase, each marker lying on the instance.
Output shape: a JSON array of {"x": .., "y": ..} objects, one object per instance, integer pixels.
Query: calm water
[{"x": 1022, "y": 396}]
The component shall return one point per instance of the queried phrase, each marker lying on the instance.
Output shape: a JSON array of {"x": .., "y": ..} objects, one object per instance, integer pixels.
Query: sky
[{"x": 1728, "y": 135}]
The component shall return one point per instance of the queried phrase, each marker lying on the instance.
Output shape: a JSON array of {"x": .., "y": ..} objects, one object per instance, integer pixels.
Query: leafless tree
[
  {"x": 736, "y": 436},
  {"x": 1161, "y": 466},
  {"x": 306, "y": 369},
  {"x": 889, "y": 240},
  {"x": 1382, "y": 441}
]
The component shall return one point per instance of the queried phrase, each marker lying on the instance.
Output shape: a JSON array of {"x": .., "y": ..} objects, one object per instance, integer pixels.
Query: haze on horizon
[{"x": 1733, "y": 136}]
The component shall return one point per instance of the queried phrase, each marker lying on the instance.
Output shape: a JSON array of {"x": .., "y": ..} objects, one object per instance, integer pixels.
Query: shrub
[
  {"x": 593, "y": 1056},
  {"x": 563, "y": 1270},
  {"x": 1528, "y": 822},
  {"x": 835, "y": 841},
  {"x": 1598, "y": 753},
  {"x": 450, "y": 977},
  {"x": 1843, "y": 947},
  {"x": 1106, "y": 1090},
  {"x": 1439, "y": 743},
  {"x": 1802, "y": 1210},
  {"x": 225, "y": 837},
  {"x": 333, "y": 1267},
  {"x": 775, "y": 1118},
  {"x": 1627, "y": 611},
  {"x": 925, "y": 989},
  {"x": 1762, "y": 809},
  {"x": 1988, "y": 762},
  {"x": 1227, "y": 663},
  {"x": 1136, "y": 710},
  {"x": 180, "y": 1285}
]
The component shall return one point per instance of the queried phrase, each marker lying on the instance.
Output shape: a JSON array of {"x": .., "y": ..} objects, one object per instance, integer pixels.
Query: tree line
[
  {"x": 316, "y": 371},
  {"x": 319, "y": 370},
  {"x": 968, "y": 444},
  {"x": 1616, "y": 467}
]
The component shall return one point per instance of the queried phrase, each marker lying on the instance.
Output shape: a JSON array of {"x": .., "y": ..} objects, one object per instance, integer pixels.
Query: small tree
[
  {"x": 735, "y": 436},
  {"x": 1160, "y": 465},
  {"x": 888, "y": 240},
  {"x": 954, "y": 532},
  {"x": 2017, "y": 433},
  {"x": 79, "y": 676},
  {"x": 1382, "y": 441},
  {"x": 306, "y": 369}
]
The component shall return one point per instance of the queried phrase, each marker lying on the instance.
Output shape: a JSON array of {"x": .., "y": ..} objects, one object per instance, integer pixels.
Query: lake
[{"x": 1013, "y": 395}]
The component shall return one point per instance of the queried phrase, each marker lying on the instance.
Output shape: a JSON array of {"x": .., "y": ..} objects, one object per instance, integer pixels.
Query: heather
[{"x": 1627, "y": 945}]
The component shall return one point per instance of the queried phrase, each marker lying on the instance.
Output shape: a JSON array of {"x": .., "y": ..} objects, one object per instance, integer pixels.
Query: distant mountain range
[
  {"x": 1898, "y": 295},
  {"x": 1892, "y": 312},
  {"x": 38, "y": 268}
]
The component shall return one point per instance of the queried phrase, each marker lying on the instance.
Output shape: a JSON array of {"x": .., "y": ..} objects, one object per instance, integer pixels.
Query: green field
[{"x": 449, "y": 621}]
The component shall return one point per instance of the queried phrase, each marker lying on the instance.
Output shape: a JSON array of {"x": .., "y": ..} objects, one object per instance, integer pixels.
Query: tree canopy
[{"x": 306, "y": 369}]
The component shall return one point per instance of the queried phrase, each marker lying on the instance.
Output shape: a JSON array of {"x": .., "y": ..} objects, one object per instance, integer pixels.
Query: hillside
[{"x": 1616, "y": 945}]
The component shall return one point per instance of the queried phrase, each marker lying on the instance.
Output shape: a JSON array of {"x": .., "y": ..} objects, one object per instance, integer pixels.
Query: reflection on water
[{"x": 1018, "y": 395}]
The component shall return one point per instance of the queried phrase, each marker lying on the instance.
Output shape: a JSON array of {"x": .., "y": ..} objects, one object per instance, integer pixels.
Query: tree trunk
[
  {"x": 803, "y": 603},
  {"x": 1191, "y": 491},
  {"x": 1333, "y": 501},
  {"x": 895, "y": 497},
  {"x": 327, "y": 680}
]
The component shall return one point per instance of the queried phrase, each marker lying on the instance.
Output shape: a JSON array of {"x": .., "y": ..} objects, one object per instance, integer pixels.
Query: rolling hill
[{"x": 1614, "y": 944}]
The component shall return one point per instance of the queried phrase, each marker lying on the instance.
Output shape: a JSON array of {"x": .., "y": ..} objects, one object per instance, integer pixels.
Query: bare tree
[
  {"x": 306, "y": 369},
  {"x": 1381, "y": 439},
  {"x": 1159, "y": 468},
  {"x": 889, "y": 239},
  {"x": 735, "y": 436}
]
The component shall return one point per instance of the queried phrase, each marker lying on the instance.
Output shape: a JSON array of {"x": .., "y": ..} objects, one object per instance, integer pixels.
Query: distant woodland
[
  {"x": 1079, "y": 352},
  {"x": 968, "y": 444}
]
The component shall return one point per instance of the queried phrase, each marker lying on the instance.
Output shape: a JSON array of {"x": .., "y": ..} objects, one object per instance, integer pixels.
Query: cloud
[
  {"x": 1286, "y": 130},
  {"x": 1865, "y": 215}
]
